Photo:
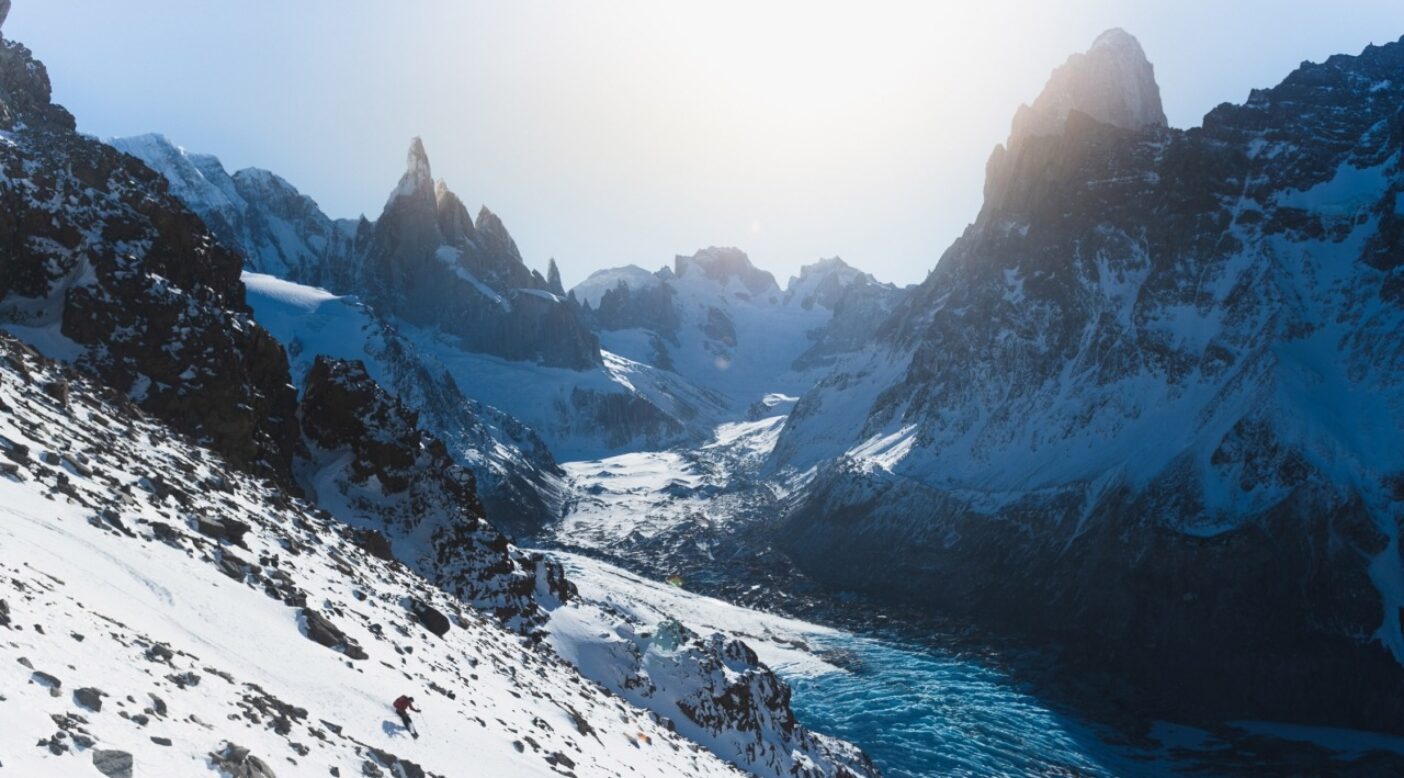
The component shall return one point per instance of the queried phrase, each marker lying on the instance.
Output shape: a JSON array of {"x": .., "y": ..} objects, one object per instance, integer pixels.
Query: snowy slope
[
  {"x": 200, "y": 607},
  {"x": 121, "y": 582}
]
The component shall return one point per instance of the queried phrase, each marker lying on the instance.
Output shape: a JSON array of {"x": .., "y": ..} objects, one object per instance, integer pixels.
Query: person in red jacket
[{"x": 403, "y": 705}]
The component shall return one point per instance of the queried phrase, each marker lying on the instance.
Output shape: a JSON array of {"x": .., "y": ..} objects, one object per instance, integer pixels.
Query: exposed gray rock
[
  {"x": 320, "y": 629},
  {"x": 235, "y": 761},
  {"x": 89, "y": 698},
  {"x": 113, "y": 763},
  {"x": 433, "y": 620},
  {"x": 1112, "y": 82}
]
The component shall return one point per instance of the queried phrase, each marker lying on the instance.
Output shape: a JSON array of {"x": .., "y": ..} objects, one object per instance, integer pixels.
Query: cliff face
[
  {"x": 100, "y": 265},
  {"x": 431, "y": 265},
  {"x": 1149, "y": 404},
  {"x": 372, "y": 466}
]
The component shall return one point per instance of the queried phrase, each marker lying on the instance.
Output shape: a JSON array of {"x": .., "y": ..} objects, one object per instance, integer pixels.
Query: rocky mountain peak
[
  {"x": 418, "y": 180},
  {"x": 25, "y": 93},
  {"x": 1112, "y": 82},
  {"x": 497, "y": 241},
  {"x": 723, "y": 264},
  {"x": 825, "y": 282},
  {"x": 454, "y": 221}
]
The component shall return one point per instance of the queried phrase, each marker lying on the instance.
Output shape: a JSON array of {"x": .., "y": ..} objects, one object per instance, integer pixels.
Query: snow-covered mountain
[
  {"x": 725, "y": 325},
  {"x": 179, "y": 602},
  {"x": 505, "y": 340},
  {"x": 518, "y": 478},
  {"x": 1150, "y": 402},
  {"x": 276, "y": 228},
  {"x": 167, "y": 614}
]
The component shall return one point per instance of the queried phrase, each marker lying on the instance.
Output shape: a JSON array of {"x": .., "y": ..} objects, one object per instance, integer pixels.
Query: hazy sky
[{"x": 607, "y": 133}]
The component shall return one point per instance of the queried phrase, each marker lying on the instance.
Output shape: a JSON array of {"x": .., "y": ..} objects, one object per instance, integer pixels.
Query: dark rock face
[
  {"x": 1135, "y": 394},
  {"x": 622, "y": 418},
  {"x": 404, "y": 478},
  {"x": 429, "y": 264},
  {"x": 93, "y": 248},
  {"x": 650, "y": 308},
  {"x": 859, "y": 310}
]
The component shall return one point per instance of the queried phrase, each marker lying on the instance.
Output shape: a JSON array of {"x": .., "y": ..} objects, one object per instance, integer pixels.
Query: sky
[{"x": 618, "y": 132}]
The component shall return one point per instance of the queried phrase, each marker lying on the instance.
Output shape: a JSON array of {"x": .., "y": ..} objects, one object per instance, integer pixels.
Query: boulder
[
  {"x": 112, "y": 763},
  {"x": 433, "y": 620},
  {"x": 235, "y": 761},
  {"x": 319, "y": 629},
  {"x": 89, "y": 698}
]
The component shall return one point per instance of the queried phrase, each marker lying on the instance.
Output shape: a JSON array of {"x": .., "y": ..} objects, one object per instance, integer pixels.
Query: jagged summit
[
  {"x": 418, "y": 178},
  {"x": 1112, "y": 82},
  {"x": 722, "y": 264}
]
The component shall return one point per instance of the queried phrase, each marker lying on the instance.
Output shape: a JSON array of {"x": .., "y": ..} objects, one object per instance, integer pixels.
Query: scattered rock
[
  {"x": 57, "y": 389},
  {"x": 319, "y": 629},
  {"x": 397, "y": 765},
  {"x": 89, "y": 698},
  {"x": 431, "y": 618},
  {"x": 375, "y": 543},
  {"x": 44, "y": 679},
  {"x": 235, "y": 761},
  {"x": 112, "y": 763}
]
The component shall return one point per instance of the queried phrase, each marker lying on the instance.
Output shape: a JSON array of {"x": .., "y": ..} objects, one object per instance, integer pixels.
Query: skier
[{"x": 403, "y": 705}]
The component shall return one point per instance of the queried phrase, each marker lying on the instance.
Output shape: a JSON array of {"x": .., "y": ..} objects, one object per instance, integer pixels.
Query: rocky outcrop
[
  {"x": 429, "y": 265},
  {"x": 717, "y": 692},
  {"x": 860, "y": 305},
  {"x": 1112, "y": 82},
  {"x": 102, "y": 266},
  {"x": 371, "y": 465},
  {"x": 1128, "y": 409}
]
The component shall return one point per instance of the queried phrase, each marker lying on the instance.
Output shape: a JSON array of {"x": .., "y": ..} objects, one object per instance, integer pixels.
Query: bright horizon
[{"x": 627, "y": 132}]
